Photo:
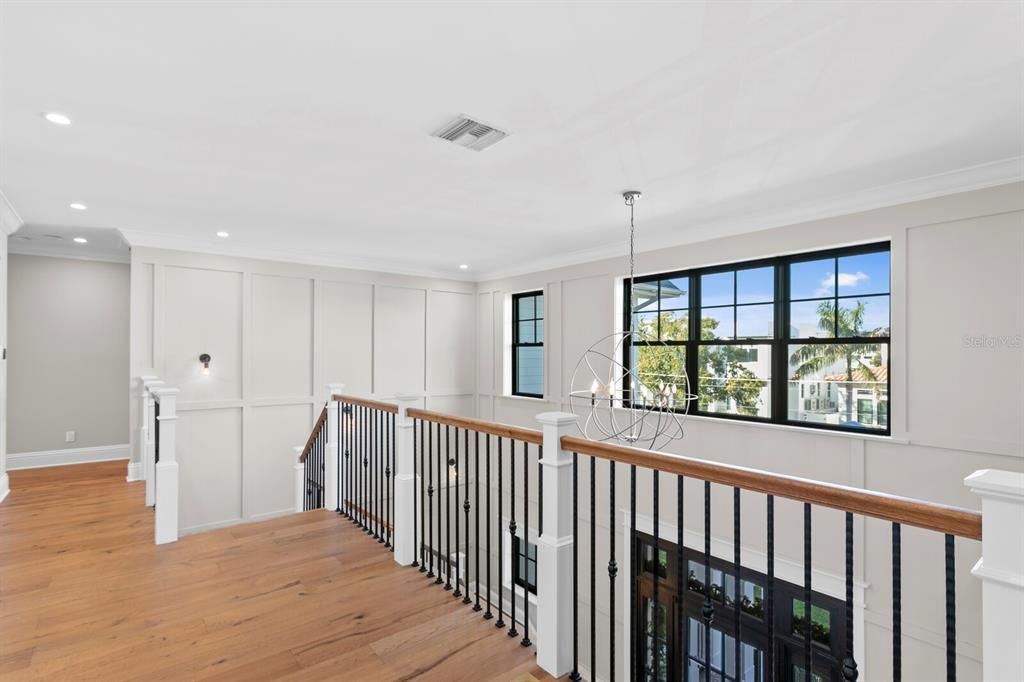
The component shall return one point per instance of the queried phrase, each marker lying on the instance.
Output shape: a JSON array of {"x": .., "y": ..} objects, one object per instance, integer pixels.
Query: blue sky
[{"x": 858, "y": 275}]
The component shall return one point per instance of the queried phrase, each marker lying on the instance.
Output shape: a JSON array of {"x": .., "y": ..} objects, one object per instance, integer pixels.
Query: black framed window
[
  {"x": 524, "y": 564},
  {"x": 528, "y": 344},
  {"x": 800, "y": 340}
]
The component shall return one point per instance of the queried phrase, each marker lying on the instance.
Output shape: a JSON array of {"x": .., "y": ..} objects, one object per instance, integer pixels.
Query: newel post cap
[
  {"x": 560, "y": 419},
  {"x": 997, "y": 483},
  {"x": 408, "y": 397}
]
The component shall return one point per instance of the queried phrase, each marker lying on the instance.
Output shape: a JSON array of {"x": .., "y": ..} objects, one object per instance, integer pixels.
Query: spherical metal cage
[{"x": 627, "y": 404}]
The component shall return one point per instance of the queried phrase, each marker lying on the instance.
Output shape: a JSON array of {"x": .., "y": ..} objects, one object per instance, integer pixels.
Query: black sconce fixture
[{"x": 205, "y": 359}]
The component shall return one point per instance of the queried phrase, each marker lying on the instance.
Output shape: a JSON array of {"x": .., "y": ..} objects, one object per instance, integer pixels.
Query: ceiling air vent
[{"x": 471, "y": 134}]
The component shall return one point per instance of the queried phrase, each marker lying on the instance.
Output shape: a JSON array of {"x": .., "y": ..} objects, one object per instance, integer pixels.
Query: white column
[
  {"x": 166, "y": 521},
  {"x": 331, "y": 465},
  {"x": 147, "y": 450},
  {"x": 299, "y": 470},
  {"x": 406, "y": 484},
  {"x": 554, "y": 549},
  {"x": 1001, "y": 570}
]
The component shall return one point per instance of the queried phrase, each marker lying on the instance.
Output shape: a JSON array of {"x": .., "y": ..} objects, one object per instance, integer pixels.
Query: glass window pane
[
  {"x": 674, "y": 325},
  {"x": 675, "y": 293},
  {"x": 755, "y": 321},
  {"x": 526, "y": 308},
  {"x": 717, "y": 323},
  {"x": 695, "y": 576},
  {"x": 821, "y": 622},
  {"x": 530, "y": 370},
  {"x": 867, "y": 316},
  {"x": 645, "y": 296},
  {"x": 752, "y": 599},
  {"x": 735, "y": 380},
  {"x": 813, "y": 279},
  {"x": 539, "y": 306},
  {"x": 864, "y": 274},
  {"x": 823, "y": 371},
  {"x": 658, "y": 366},
  {"x": 645, "y": 325},
  {"x": 717, "y": 289},
  {"x": 812, "y": 319},
  {"x": 755, "y": 286},
  {"x": 540, "y": 331},
  {"x": 526, "y": 331}
]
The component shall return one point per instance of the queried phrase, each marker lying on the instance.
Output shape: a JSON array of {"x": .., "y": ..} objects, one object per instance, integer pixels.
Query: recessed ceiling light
[
  {"x": 57, "y": 118},
  {"x": 223, "y": 235},
  {"x": 81, "y": 240},
  {"x": 78, "y": 207},
  {"x": 463, "y": 267}
]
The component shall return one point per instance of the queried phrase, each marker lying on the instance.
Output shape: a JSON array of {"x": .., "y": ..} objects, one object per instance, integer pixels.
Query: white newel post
[
  {"x": 299, "y": 469},
  {"x": 406, "y": 485},
  {"x": 1001, "y": 570},
  {"x": 331, "y": 465},
  {"x": 554, "y": 549},
  {"x": 166, "y": 522},
  {"x": 147, "y": 450}
]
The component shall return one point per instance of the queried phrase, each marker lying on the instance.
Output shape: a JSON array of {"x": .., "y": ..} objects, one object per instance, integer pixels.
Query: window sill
[
  {"x": 530, "y": 398},
  {"x": 792, "y": 428}
]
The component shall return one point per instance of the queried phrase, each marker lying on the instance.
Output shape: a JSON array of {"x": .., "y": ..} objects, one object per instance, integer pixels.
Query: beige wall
[
  {"x": 957, "y": 270},
  {"x": 278, "y": 333},
  {"x": 68, "y": 357}
]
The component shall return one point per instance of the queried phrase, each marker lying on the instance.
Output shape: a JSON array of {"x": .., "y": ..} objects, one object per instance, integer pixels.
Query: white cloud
[{"x": 846, "y": 279}]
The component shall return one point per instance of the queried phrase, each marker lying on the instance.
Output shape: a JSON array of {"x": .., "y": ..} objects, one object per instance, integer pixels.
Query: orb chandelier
[{"x": 642, "y": 402}]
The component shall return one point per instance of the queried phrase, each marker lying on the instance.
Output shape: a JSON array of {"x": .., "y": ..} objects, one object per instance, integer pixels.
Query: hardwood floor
[{"x": 86, "y": 595}]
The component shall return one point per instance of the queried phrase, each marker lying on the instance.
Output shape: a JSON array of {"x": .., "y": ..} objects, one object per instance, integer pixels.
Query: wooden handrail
[
  {"x": 964, "y": 523},
  {"x": 312, "y": 436},
  {"x": 366, "y": 402},
  {"x": 500, "y": 430}
]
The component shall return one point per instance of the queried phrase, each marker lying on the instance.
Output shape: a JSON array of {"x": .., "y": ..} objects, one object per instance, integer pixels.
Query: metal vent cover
[{"x": 470, "y": 133}]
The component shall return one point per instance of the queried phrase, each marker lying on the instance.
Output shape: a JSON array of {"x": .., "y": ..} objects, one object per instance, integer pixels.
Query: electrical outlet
[{"x": 69, "y": 436}]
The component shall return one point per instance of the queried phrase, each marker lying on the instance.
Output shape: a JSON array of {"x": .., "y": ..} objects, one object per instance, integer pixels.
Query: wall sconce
[{"x": 205, "y": 359}]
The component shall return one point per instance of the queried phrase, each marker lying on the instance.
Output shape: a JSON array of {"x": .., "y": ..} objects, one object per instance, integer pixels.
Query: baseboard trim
[
  {"x": 5, "y": 486},
  {"x": 54, "y": 458},
  {"x": 217, "y": 525},
  {"x": 134, "y": 472}
]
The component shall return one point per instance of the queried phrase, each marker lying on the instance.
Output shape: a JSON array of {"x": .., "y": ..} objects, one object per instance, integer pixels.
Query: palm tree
[{"x": 812, "y": 358}]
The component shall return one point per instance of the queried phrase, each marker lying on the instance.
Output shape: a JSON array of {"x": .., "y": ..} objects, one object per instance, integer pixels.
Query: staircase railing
[
  {"x": 492, "y": 513},
  {"x": 311, "y": 467}
]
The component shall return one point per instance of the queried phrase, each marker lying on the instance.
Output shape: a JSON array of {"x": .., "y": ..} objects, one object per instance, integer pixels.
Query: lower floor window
[{"x": 524, "y": 564}]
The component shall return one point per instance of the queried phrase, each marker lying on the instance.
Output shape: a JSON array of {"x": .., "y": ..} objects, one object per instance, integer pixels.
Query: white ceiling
[{"x": 302, "y": 127}]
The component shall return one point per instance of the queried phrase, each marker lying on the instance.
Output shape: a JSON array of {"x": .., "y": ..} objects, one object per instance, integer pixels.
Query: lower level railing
[
  {"x": 313, "y": 460},
  {"x": 620, "y": 563}
]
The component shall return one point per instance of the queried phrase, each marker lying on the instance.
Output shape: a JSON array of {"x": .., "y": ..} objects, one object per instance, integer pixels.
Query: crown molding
[
  {"x": 153, "y": 240},
  {"x": 10, "y": 221},
  {"x": 20, "y": 248},
  {"x": 929, "y": 187}
]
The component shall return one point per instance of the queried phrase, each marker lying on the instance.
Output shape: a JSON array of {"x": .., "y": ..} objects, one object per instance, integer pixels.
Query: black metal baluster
[
  {"x": 476, "y": 516},
  {"x": 448, "y": 506},
  {"x": 378, "y": 472},
  {"x": 950, "y": 608},
  {"x": 389, "y": 485},
  {"x": 526, "y": 543},
  {"x": 512, "y": 632},
  {"x": 487, "y": 520},
  {"x": 737, "y": 583},
  {"x": 391, "y": 495},
  {"x": 808, "y": 620},
  {"x": 417, "y": 486},
  {"x": 770, "y": 597},
  {"x": 465, "y": 507},
  {"x": 423, "y": 500},
  {"x": 707, "y": 611},
  {"x": 575, "y": 675},
  {"x": 634, "y": 647},
  {"x": 540, "y": 491},
  {"x": 679, "y": 663},
  {"x": 613, "y": 570},
  {"x": 430, "y": 498},
  {"x": 897, "y": 605},
  {"x": 655, "y": 569},
  {"x": 593, "y": 567},
  {"x": 364, "y": 471},
  {"x": 849, "y": 664},
  {"x": 338, "y": 449},
  {"x": 454, "y": 463},
  {"x": 501, "y": 557}
]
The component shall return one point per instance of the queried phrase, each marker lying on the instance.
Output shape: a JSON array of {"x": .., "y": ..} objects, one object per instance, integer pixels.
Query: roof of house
[{"x": 863, "y": 374}]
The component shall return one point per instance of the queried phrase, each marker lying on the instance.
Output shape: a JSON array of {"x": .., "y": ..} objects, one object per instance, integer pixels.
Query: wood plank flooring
[{"x": 86, "y": 595}]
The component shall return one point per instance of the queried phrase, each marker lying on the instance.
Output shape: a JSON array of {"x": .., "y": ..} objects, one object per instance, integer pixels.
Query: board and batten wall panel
[
  {"x": 202, "y": 313},
  {"x": 282, "y": 336},
  {"x": 399, "y": 336},
  {"x": 345, "y": 330},
  {"x": 278, "y": 333},
  {"x": 272, "y": 430},
  {"x": 209, "y": 455}
]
